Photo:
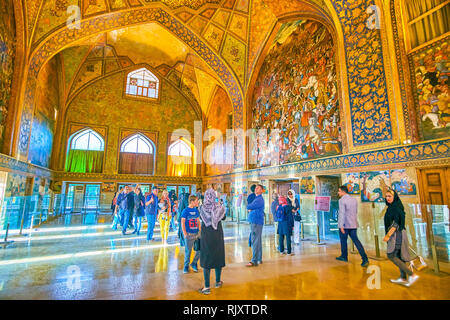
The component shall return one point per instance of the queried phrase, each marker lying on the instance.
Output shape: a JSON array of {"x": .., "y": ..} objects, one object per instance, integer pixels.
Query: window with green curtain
[
  {"x": 85, "y": 161},
  {"x": 85, "y": 152},
  {"x": 427, "y": 20}
]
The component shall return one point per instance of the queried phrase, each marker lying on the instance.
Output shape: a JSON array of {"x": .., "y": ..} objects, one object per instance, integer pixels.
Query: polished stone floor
[{"x": 96, "y": 262}]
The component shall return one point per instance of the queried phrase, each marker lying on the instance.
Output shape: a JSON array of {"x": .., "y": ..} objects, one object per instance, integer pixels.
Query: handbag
[
  {"x": 297, "y": 217},
  {"x": 421, "y": 263},
  {"x": 197, "y": 244}
]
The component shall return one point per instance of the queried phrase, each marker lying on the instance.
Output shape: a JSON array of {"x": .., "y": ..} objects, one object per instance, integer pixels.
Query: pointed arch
[
  {"x": 142, "y": 83},
  {"x": 137, "y": 155},
  {"x": 180, "y": 159},
  {"x": 85, "y": 151}
]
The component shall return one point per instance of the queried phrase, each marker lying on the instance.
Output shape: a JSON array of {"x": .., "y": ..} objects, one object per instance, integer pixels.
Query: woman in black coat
[
  {"x": 397, "y": 239},
  {"x": 212, "y": 246}
]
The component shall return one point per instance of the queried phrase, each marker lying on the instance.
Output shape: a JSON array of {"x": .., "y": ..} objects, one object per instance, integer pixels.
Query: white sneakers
[
  {"x": 412, "y": 279},
  {"x": 406, "y": 283},
  {"x": 399, "y": 281}
]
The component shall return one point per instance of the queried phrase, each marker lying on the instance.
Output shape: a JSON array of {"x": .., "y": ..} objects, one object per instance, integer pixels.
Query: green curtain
[
  {"x": 429, "y": 27},
  {"x": 85, "y": 161}
]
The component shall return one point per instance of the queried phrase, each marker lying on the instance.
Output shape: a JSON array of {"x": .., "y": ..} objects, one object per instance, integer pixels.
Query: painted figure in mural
[
  {"x": 374, "y": 185},
  {"x": 352, "y": 183},
  {"x": 307, "y": 186},
  {"x": 295, "y": 92}
]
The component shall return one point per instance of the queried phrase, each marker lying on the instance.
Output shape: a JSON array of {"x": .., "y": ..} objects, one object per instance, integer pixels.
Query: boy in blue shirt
[{"x": 190, "y": 224}]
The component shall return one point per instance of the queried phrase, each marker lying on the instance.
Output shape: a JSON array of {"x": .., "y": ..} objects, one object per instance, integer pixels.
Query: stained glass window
[
  {"x": 180, "y": 148},
  {"x": 87, "y": 140},
  {"x": 137, "y": 144},
  {"x": 142, "y": 83}
]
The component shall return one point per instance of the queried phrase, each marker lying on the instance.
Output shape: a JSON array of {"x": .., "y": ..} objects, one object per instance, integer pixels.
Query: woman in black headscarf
[
  {"x": 212, "y": 246},
  {"x": 397, "y": 239}
]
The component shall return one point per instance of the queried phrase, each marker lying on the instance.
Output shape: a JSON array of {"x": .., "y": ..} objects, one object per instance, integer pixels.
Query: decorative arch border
[{"x": 65, "y": 37}]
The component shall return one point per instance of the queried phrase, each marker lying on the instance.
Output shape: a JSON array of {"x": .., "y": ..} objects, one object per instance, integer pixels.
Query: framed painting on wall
[
  {"x": 351, "y": 181},
  {"x": 402, "y": 182},
  {"x": 307, "y": 185},
  {"x": 108, "y": 187},
  {"x": 374, "y": 185}
]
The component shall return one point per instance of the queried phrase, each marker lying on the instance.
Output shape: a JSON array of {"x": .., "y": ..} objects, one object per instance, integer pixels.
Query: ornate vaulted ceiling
[
  {"x": 235, "y": 29},
  {"x": 148, "y": 44}
]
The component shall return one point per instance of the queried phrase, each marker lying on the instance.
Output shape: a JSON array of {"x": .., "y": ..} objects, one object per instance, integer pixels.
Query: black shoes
[{"x": 340, "y": 258}]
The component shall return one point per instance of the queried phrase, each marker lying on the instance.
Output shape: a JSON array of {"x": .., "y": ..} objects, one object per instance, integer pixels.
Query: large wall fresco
[
  {"x": 430, "y": 69},
  {"x": 296, "y": 93},
  {"x": 43, "y": 127},
  {"x": 103, "y": 103},
  {"x": 7, "y": 53}
]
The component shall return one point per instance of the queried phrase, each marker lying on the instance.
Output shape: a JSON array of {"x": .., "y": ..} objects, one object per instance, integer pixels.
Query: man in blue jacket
[
  {"x": 256, "y": 219},
  {"x": 151, "y": 211},
  {"x": 250, "y": 199}
]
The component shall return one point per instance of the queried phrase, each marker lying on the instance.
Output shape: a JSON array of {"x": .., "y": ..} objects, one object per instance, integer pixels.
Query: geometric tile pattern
[
  {"x": 369, "y": 104},
  {"x": 396, "y": 155}
]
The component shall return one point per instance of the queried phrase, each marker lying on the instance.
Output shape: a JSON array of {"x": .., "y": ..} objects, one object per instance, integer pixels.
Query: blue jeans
[
  {"x": 288, "y": 243},
  {"x": 188, "y": 245},
  {"x": 172, "y": 222},
  {"x": 151, "y": 220},
  {"x": 354, "y": 237},
  {"x": 121, "y": 215},
  {"x": 256, "y": 241},
  {"x": 206, "y": 275},
  {"x": 126, "y": 218},
  {"x": 137, "y": 223},
  {"x": 180, "y": 235}
]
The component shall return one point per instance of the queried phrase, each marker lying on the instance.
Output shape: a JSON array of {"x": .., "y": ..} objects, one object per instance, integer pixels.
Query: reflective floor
[{"x": 96, "y": 262}]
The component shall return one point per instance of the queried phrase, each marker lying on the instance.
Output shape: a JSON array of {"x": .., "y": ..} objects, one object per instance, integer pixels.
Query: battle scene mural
[
  {"x": 296, "y": 94},
  {"x": 432, "y": 94}
]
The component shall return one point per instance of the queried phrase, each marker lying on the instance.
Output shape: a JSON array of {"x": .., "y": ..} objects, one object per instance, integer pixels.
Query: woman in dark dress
[
  {"x": 285, "y": 220},
  {"x": 139, "y": 205},
  {"x": 397, "y": 239},
  {"x": 212, "y": 246}
]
